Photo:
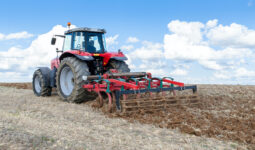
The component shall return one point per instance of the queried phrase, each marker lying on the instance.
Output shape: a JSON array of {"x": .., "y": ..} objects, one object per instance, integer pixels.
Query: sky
[{"x": 193, "y": 41}]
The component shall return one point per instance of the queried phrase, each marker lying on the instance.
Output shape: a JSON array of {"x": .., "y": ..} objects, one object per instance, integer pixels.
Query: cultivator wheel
[{"x": 135, "y": 91}]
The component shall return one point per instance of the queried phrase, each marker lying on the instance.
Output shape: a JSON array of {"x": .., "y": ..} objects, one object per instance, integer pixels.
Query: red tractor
[
  {"x": 85, "y": 68},
  {"x": 84, "y": 53}
]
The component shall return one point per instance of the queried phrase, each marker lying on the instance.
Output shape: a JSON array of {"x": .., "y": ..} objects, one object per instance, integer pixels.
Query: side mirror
[{"x": 53, "y": 41}]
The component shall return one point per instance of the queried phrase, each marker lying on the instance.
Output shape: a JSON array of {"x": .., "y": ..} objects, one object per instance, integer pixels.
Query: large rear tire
[
  {"x": 39, "y": 87},
  {"x": 69, "y": 80},
  {"x": 120, "y": 66}
]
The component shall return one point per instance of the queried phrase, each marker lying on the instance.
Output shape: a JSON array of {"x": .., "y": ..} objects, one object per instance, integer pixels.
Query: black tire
[
  {"x": 39, "y": 87},
  {"x": 79, "y": 68},
  {"x": 120, "y": 66}
]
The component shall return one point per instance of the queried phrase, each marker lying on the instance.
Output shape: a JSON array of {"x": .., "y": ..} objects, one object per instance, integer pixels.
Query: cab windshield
[{"x": 87, "y": 41}]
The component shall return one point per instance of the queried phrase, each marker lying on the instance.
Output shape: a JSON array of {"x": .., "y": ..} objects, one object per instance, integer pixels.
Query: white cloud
[
  {"x": 235, "y": 35},
  {"x": 243, "y": 72},
  {"x": 129, "y": 62},
  {"x": 211, "y": 64},
  {"x": 39, "y": 53},
  {"x": 190, "y": 31},
  {"x": 181, "y": 65},
  {"x": 18, "y": 35},
  {"x": 211, "y": 23},
  {"x": 127, "y": 47},
  {"x": 147, "y": 64},
  {"x": 192, "y": 43},
  {"x": 132, "y": 40},
  {"x": 149, "y": 51},
  {"x": 179, "y": 72},
  {"x": 236, "y": 74},
  {"x": 187, "y": 42},
  {"x": 150, "y": 57},
  {"x": 221, "y": 75},
  {"x": 157, "y": 72},
  {"x": 112, "y": 40},
  {"x": 2, "y": 36}
]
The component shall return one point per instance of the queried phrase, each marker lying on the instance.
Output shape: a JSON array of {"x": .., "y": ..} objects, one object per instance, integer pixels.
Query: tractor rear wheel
[
  {"x": 39, "y": 87},
  {"x": 120, "y": 66},
  {"x": 69, "y": 80}
]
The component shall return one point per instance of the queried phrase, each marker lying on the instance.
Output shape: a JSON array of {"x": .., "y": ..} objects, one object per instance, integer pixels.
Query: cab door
[{"x": 78, "y": 42}]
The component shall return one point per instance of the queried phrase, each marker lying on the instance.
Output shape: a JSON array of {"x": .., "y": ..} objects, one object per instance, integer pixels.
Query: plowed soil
[{"x": 226, "y": 112}]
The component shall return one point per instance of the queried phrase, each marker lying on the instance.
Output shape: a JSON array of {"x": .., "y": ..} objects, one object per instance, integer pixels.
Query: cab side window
[{"x": 67, "y": 42}]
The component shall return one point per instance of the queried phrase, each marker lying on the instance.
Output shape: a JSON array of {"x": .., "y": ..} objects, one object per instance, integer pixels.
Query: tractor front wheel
[
  {"x": 39, "y": 87},
  {"x": 120, "y": 66}
]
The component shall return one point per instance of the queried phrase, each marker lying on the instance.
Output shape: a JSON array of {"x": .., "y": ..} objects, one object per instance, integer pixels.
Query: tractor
[{"x": 85, "y": 67}]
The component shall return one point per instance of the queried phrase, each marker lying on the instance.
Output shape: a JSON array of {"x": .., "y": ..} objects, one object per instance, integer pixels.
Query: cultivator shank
[{"x": 134, "y": 91}]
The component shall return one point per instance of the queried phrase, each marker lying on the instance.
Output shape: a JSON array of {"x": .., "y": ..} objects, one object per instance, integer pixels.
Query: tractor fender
[
  {"x": 46, "y": 75},
  {"x": 85, "y": 58},
  {"x": 120, "y": 58}
]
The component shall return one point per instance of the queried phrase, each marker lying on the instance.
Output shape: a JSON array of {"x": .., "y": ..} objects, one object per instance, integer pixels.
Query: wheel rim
[
  {"x": 37, "y": 84},
  {"x": 66, "y": 81}
]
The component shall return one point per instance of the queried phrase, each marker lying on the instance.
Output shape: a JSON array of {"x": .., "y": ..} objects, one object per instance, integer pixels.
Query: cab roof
[{"x": 85, "y": 29}]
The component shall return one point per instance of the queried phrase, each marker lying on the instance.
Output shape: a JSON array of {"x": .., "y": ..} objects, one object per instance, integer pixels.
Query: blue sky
[
  {"x": 148, "y": 21},
  {"x": 144, "y": 18}
]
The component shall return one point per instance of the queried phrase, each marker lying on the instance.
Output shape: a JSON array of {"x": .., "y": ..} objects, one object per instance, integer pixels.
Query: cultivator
[{"x": 135, "y": 91}]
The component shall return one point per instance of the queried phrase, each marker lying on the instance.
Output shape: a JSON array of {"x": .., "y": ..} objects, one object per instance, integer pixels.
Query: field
[{"x": 225, "y": 119}]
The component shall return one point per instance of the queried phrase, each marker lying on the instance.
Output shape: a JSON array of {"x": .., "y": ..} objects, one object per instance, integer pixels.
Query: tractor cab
[{"x": 84, "y": 39}]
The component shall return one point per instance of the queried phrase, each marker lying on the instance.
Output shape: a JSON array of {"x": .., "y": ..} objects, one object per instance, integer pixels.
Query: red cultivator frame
[{"x": 117, "y": 85}]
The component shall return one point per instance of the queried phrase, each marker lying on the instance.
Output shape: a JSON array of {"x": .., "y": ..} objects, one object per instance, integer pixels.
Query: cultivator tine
[
  {"x": 100, "y": 99},
  {"x": 109, "y": 102},
  {"x": 138, "y": 96},
  {"x": 124, "y": 97},
  {"x": 173, "y": 92}
]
